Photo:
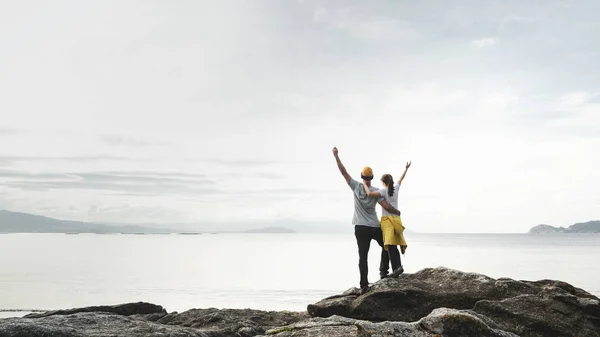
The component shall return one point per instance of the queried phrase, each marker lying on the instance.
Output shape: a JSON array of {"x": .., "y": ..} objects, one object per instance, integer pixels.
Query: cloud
[
  {"x": 577, "y": 98},
  {"x": 126, "y": 213},
  {"x": 8, "y": 131},
  {"x": 79, "y": 159},
  {"x": 484, "y": 43},
  {"x": 258, "y": 175},
  {"x": 4, "y": 173},
  {"x": 514, "y": 22},
  {"x": 116, "y": 140},
  {"x": 286, "y": 192},
  {"x": 270, "y": 175},
  {"x": 143, "y": 183},
  {"x": 364, "y": 26},
  {"x": 174, "y": 107},
  {"x": 234, "y": 162}
]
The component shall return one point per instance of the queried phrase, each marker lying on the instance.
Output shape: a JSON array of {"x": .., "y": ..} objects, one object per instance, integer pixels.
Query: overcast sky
[{"x": 215, "y": 111}]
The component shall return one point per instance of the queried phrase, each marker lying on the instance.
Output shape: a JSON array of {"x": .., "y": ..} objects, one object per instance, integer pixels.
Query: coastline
[{"x": 443, "y": 301}]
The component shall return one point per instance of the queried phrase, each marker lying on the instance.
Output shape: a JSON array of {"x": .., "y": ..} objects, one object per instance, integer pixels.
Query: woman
[{"x": 391, "y": 225}]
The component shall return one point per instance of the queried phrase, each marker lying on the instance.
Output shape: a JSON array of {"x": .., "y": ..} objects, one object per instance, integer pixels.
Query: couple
[{"x": 388, "y": 234}]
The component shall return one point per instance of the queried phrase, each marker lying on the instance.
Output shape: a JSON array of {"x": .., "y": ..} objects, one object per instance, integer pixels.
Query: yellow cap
[{"x": 366, "y": 173}]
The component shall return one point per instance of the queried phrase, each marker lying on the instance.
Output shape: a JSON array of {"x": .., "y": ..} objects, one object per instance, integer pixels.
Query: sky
[{"x": 225, "y": 112}]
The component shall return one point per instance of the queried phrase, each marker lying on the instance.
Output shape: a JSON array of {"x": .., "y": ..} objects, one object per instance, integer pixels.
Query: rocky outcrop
[
  {"x": 145, "y": 319},
  {"x": 542, "y": 308},
  {"x": 440, "y": 322},
  {"x": 92, "y": 324},
  {"x": 127, "y": 309},
  {"x": 432, "y": 302},
  {"x": 233, "y": 322}
]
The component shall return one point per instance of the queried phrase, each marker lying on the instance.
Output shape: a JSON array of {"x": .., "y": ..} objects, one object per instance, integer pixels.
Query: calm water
[{"x": 261, "y": 271}]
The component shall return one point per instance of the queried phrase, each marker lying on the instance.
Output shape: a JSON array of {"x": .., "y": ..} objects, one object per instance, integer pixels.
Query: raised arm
[
  {"x": 389, "y": 207},
  {"x": 404, "y": 173},
  {"x": 341, "y": 166},
  {"x": 375, "y": 194}
]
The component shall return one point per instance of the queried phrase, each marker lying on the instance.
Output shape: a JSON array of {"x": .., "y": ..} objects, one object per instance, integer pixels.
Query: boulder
[
  {"x": 233, "y": 322},
  {"x": 145, "y": 319},
  {"x": 440, "y": 322},
  {"x": 92, "y": 324},
  {"x": 553, "y": 312},
  {"x": 525, "y": 308},
  {"x": 127, "y": 309}
]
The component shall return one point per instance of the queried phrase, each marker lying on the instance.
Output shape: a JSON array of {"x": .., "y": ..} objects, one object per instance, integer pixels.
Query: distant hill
[
  {"x": 15, "y": 222},
  {"x": 271, "y": 230},
  {"x": 582, "y": 227}
]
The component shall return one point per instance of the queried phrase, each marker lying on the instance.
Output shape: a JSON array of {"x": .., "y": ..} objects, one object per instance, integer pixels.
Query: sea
[{"x": 259, "y": 271}]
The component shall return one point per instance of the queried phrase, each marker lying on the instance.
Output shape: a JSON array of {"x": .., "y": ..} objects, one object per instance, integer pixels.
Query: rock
[
  {"x": 541, "y": 308},
  {"x": 138, "y": 308},
  {"x": 334, "y": 326},
  {"x": 145, "y": 319},
  {"x": 233, "y": 322},
  {"x": 441, "y": 322},
  {"x": 91, "y": 324},
  {"x": 412, "y": 296},
  {"x": 551, "y": 313}
]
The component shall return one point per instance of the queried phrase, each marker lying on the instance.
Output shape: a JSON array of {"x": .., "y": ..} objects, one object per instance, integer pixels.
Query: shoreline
[{"x": 443, "y": 301}]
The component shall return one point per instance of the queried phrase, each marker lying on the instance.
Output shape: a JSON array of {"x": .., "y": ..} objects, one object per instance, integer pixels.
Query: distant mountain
[
  {"x": 14, "y": 222},
  {"x": 582, "y": 227},
  {"x": 271, "y": 230}
]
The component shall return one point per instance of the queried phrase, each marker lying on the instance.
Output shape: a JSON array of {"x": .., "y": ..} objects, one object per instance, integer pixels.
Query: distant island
[
  {"x": 582, "y": 227},
  {"x": 16, "y": 222}
]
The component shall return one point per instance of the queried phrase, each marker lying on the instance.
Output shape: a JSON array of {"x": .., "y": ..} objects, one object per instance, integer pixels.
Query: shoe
[
  {"x": 364, "y": 289},
  {"x": 384, "y": 276},
  {"x": 397, "y": 272}
]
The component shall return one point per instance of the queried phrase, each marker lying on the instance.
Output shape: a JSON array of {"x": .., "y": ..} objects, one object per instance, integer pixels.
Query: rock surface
[
  {"x": 441, "y": 322},
  {"x": 541, "y": 308},
  {"x": 432, "y": 302},
  {"x": 127, "y": 309},
  {"x": 233, "y": 322},
  {"x": 91, "y": 324},
  {"x": 145, "y": 319}
]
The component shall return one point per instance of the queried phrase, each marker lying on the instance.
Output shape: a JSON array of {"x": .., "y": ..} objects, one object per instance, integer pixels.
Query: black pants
[
  {"x": 394, "y": 257},
  {"x": 364, "y": 235}
]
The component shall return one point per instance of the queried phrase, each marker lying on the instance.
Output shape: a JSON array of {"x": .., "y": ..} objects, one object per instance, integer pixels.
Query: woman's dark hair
[{"x": 389, "y": 181}]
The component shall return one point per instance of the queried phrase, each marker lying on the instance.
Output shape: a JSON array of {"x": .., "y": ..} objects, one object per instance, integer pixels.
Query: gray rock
[
  {"x": 441, "y": 322},
  {"x": 551, "y": 313},
  {"x": 412, "y": 296},
  {"x": 127, "y": 309},
  {"x": 91, "y": 324},
  {"x": 122, "y": 320},
  {"x": 541, "y": 308},
  {"x": 233, "y": 322}
]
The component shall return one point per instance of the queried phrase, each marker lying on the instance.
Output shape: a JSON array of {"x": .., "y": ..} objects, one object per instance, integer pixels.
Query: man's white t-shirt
[{"x": 393, "y": 200}]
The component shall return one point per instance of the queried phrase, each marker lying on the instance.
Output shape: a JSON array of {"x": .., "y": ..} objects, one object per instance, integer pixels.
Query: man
[{"x": 365, "y": 221}]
